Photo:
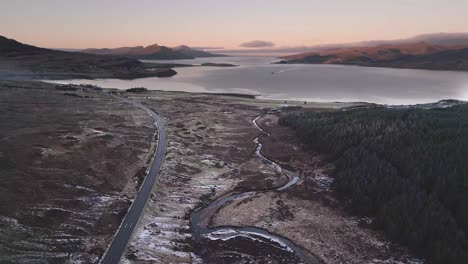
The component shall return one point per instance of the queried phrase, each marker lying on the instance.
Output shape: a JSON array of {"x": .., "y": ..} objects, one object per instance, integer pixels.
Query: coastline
[
  {"x": 306, "y": 83},
  {"x": 284, "y": 62}
]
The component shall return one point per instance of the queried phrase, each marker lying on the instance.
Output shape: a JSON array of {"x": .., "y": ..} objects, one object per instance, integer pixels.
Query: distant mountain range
[
  {"x": 441, "y": 51},
  {"x": 21, "y": 59},
  {"x": 420, "y": 55},
  {"x": 443, "y": 39},
  {"x": 154, "y": 52},
  {"x": 446, "y": 39},
  {"x": 196, "y": 53}
]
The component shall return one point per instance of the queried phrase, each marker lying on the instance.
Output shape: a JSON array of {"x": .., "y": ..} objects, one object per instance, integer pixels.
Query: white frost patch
[
  {"x": 104, "y": 199},
  {"x": 79, "y": 187},
  {"x": 170, "y": 251},
  {"x": 359, "y": 220},
  {"x": 47, "y": 152},
  {"x": 323, "y": 180},
  {"x": 165, "y": 225},
  {"x": 162, "y": 231},
  {"x": 208, "y": 162},
  {"x": 207, "y": 186},
  {"x": 274, "y": 239},
  {"x": 228, "y": 234},
  {"x": 394, "y": 261},
  {"x": 367, "y": 220},
  {"x": 291, "y": 182},
  {"x": 125, "y": 261},
  {"x": 12, "y": 222},
  {"x": 98, "y": 132}
]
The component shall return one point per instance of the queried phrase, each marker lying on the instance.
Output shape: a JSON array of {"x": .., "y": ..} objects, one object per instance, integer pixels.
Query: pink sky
[{"x": 106, "y": 23}]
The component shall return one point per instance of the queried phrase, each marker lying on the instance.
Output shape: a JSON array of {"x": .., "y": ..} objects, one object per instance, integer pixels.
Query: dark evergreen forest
[{"x": 408, "y": 168}]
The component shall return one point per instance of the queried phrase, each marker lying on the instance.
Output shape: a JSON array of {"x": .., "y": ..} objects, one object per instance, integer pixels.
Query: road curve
[{"x": 121, "y": 238}]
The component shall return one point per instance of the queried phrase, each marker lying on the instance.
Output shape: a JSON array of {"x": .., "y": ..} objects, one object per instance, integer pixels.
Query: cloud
[{"x": 257, "y": 44}]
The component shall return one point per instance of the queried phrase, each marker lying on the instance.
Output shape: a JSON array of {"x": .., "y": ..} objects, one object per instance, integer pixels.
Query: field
[
  {"x": 211, "y": 153},
  {"x": 73, "y": 158},
  {"x": 69, "y": 164}
]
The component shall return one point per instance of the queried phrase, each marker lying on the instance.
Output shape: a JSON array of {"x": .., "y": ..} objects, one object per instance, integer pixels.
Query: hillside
[
  {"x": 448, "y": 39},
  {"x": 153, "y": 52},
  {"x": 195, "y": 52},
  {"x": 443, "y": 39},
  {"x": 404, "y": 167},
  {"x": 419, "y": 55},
  {"x": 21, "y": 59}
]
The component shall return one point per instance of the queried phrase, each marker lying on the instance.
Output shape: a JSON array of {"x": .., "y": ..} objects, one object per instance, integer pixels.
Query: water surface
[{"x": 323, "y": 83}]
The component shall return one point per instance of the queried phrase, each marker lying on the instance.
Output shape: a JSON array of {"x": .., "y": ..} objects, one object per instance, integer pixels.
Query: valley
[{"x": 233, "y": 132}]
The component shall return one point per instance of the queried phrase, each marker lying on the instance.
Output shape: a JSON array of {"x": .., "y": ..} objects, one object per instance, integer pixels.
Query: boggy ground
[
  {"x": 70, "y": 162},
  {"x": 309, "y": 213},
  {"x": 210, "y": 154}
]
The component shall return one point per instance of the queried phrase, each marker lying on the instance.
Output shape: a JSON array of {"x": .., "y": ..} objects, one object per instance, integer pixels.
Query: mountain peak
[
  {"x": 152, "y": 48},
  {"x": 154, "y": 52},
  {"x": 195, "y": 52}
]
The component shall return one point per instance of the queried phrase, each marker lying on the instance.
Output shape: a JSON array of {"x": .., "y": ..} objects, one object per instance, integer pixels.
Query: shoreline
[
  {"x": 128, "y": 75},
  {"x": 258, "y": 98},
  {"x": 199, "y": 166},
  {"x": 270, "y": 81},
  {"x": 370, "y": 66}
]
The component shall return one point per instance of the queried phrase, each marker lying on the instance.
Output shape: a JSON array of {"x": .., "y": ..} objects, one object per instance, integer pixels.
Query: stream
[{"x": 247, "y": 242}]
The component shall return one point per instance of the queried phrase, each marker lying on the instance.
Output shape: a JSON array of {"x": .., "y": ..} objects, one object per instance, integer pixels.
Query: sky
[{"x": 224, "y": 23}]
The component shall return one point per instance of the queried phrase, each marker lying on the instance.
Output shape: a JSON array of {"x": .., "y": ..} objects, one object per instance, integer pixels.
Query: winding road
[
  {"x": 200, "y": 218},
  {"x": 119, "y": 243}
]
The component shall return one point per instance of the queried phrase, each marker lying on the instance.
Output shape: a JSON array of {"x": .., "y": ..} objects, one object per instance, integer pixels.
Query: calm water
[{"x": 306, "y": 82}]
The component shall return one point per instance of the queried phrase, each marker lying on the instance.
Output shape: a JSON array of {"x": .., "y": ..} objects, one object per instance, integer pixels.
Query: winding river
[{"x": 201, "y": 218}]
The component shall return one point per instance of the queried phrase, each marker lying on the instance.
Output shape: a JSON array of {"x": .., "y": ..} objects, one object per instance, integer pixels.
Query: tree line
[{"x": 408, "y": 168}]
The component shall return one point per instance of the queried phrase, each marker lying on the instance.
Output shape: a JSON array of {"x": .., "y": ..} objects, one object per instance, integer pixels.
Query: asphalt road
[{"x": 119, "y": 244}]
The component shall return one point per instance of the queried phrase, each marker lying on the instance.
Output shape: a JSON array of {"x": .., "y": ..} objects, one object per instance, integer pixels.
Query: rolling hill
[
  {"x": 444, "y": 39},
  {"x": 195, "y": 52},
  {"x": 21, "y": 59},
  {"x": 419, "y": 55},
  {"x": 153, "y": 52}
]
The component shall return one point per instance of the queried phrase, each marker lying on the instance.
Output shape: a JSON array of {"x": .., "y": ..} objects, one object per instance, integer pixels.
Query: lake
[{"x": 322, "y": 83}]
